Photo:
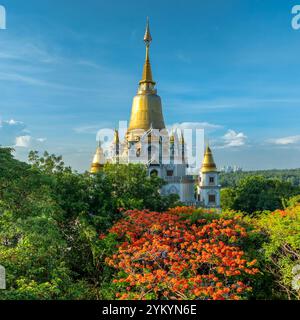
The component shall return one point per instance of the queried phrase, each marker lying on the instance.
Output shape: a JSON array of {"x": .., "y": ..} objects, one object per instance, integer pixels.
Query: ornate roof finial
[
  {"x": 147, "y": 72},
  {"x": 147, "y": 37}
]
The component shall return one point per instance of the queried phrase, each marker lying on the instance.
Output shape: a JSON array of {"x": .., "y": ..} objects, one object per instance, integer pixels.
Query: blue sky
[{"x": 68, "y": 68}]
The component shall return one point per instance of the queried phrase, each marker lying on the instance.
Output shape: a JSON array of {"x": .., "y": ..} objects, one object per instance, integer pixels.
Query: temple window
[
  {"x": 212, "y": 198},
  {"x": 169, "y": 173}
]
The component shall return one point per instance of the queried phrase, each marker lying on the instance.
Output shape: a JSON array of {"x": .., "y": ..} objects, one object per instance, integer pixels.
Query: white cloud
[
  {"x": 286, "y": 140},
  {"x": 234, "y": 139},
  {"x": 13, "y": 122},
  {"x": 18, "y": 77},
  {"x": 9, "y": 130},
  {"x": 23, "y": 141},
  {"x": 14, "y": 133},
  {"x": 10, "y": 122}
]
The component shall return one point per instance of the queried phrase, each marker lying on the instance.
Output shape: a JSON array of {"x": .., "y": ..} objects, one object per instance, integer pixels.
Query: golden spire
[
  {"x": 147, "y": 72},
  {"x": 147, "y": 37},
  {"x": 182, "y": 138},
  {"x": 116, "y": 137},
  {"x": 208, "y": 164},
  {"x": 172, "y": 137},
  {"x": 117, "y": 145},
  {"x": 98, "y": 160},
  {"x": 146, "y": 109}
]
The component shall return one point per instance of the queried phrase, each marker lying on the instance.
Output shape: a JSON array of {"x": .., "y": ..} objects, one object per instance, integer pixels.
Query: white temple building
[{"x": 148, "y": 141}]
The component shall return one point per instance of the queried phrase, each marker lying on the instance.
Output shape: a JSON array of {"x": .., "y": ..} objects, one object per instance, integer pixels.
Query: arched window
[
  {"x": 138, "y": 152},
  {"x": 170, "y": 173}
]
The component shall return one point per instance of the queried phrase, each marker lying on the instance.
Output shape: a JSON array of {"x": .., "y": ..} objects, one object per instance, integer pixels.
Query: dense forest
[
  {"x": 288, "y": 175},
  {"x": 69, "y": 235}
]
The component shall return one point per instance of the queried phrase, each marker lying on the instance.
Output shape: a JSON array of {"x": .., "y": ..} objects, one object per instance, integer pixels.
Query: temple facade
[{"x": 147, "y": 141}]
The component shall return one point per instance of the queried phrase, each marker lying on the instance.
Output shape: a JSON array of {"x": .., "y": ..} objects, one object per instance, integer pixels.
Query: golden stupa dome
[
  {"x": 146, "y": 110},
  {"x": 208, "y": 164}
]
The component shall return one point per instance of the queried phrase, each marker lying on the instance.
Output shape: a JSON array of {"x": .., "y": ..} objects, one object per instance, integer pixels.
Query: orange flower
[{"x": 172, "y": 257}]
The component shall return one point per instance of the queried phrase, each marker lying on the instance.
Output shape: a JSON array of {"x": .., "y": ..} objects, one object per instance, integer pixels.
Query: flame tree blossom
[{"x": 167, "y": 256}]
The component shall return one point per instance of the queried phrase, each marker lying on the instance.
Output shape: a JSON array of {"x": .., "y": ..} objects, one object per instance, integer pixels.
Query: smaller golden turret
[
  {"x": 98, "y": 160},
  {"x": 208, "y": 164},
  {"x": 172, "y": 137},
  {"x": 182, "y": 142},
  {"x": 116, "y": 137},
  {"x": 116, "y": 146}
]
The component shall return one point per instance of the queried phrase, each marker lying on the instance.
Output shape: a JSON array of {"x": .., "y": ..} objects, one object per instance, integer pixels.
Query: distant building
[{"x": 231, "y": 169}]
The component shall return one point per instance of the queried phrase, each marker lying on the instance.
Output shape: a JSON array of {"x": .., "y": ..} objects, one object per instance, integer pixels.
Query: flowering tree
[
  {"x": 282, "y": 250},
  {"x": 167, "y": 256}
]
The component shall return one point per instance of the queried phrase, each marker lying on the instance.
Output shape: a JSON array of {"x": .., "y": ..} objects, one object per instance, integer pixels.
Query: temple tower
[
  {"x": 98, "y": 160},
  {"x": 208, "y": 187},
  {"x": 146, "y": 112}
]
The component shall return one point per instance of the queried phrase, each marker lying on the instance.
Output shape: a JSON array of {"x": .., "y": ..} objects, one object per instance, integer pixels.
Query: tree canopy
[
  {"x": 51, "y": 217},
  {"x": 70, "y": 235},
  {"x": 258, "y": 193}
]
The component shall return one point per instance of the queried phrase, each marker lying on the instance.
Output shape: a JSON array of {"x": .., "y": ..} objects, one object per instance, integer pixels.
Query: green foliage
[
  {"x": 282, "y": 250},
  {"x": 33, "y": 251},
  {"x": 199, "y": 214},
  {"x": 51, "y": 218},
  {"x": 274, "y": 240},
  {"x": 106, "y": 247},
  {"x": 231, "y": 180},
  {"x": 257, "y": 193},
  {"x": 227, "y": 198},
  {"x": 134, "y": 189},
  {"x": 292, "y": 202}
]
